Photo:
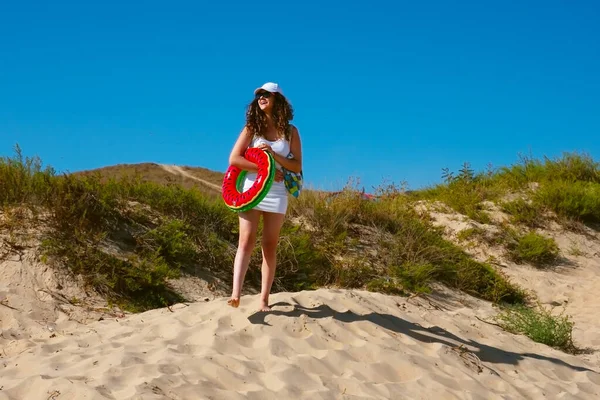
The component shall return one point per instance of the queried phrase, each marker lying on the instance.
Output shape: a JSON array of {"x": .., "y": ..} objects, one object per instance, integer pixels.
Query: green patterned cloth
[{"x": 293, "y": 181}]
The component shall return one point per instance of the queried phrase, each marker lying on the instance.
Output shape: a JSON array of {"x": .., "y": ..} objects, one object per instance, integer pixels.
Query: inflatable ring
[{"x": 232, "y": 193}]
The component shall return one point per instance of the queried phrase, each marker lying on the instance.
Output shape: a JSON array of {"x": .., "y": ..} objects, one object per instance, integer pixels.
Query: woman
[{"x": 267, "y": 127}]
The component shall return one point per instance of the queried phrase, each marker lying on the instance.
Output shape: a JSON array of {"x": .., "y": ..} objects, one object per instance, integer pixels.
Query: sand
[
  {"x": 59, "y": 342},
  {"x": 324, "y": 344}
]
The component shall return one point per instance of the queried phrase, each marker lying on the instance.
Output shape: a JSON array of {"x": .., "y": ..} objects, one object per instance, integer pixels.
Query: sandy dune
[
  {"x": 58, "y": 342},
  {"x": 326, "y": 344}
]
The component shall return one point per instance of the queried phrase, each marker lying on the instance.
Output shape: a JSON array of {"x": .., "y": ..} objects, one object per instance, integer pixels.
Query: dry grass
[
  {"x": 164, "y": 226},
  {"x": 129, "y": 229},
  {"x": 180, "y": 224}
]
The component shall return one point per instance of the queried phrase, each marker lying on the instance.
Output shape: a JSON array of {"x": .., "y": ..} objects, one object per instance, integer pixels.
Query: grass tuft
[{"x": 539, "y": 325}]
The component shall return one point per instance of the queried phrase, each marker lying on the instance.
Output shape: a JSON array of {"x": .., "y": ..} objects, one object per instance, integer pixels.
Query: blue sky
[{"x": 382, "y": 90}]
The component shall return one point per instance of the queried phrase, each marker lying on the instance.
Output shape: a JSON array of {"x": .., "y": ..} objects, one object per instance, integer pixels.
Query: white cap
[{"x": 270, "y": 87}]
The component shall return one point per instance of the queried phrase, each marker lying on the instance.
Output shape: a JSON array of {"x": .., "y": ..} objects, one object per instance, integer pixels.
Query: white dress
[{"x": 276, "y": 200}]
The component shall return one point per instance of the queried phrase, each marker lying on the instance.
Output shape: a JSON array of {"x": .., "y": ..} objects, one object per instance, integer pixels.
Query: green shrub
[
  {"x": 329, "y": 214},
  {"x": 385, "y": 285},
  {"x": 569, "y": 185},
  {"x": 301, "y": 262},
  {"x": 483, "y": 281},
  {"x": 522, "y": 212},
  {"x": 413, "y": 254},
  {"x": 83, "y": 204},
  {"x": 535, "y": 249},
  {"x": 354, "y": 273},
  {"x": 23, "y": 180},
  {"x": 463, "y": 197},
  {"x": 578, "y": 200},
  {"x": 135, "y": 284},
  {"x": 539, "y": 325},
  {"x": 469, "y": 233},
  {"x": 421, "y": 255},
  {"x": 171, "y": 241},
  {"x": 571, "y": 167},
  {"x": 416, "y": 277}
]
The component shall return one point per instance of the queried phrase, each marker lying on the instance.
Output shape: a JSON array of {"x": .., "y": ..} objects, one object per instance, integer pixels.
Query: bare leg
[
  {"x": 272, "y": 223},
  {"x": 248, "y": 227}
]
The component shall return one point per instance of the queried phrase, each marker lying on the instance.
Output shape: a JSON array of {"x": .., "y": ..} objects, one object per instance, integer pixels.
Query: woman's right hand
[
  {"x": 278, "y": 176},
  {"x": 265, "y": 147}
]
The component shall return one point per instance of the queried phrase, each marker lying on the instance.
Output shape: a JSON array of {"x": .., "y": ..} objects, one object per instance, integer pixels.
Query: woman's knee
[
  {"x": 248, "y": 231},
  {"x": 247, "y": 242},
  {"x": 269, "y": 245}
]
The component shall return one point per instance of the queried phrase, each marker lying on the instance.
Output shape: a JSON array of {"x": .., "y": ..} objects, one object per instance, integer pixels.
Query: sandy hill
[
  {"x": 80, "y": 310},
  {"x": 204, "y": 179}
]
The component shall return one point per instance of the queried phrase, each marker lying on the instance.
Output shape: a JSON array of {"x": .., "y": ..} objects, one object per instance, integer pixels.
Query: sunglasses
[{"x": 266, "y": 95}]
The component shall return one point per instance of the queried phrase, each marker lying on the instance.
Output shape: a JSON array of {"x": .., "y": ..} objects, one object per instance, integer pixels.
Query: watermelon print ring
[{"x": 234, "y": 177}]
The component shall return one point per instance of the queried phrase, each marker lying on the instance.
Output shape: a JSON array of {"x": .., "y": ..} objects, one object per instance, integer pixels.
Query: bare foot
[
  {"x": 264, "y": 307},
  {"x": 234, "y": 302}
]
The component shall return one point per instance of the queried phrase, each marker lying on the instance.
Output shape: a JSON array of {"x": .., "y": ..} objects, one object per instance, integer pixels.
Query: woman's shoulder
[{"x": 293, "y": 130}]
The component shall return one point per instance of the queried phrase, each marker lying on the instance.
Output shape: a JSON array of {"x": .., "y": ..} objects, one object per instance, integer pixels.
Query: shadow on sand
[{"x": 433, "y": 334}]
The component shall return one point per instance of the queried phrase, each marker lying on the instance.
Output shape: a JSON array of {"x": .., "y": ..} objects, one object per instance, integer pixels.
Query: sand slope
[
  {"x": 326, "y": 344},
  {"x": 571, "y": 286},
  {"x": 37, "y": 300}
]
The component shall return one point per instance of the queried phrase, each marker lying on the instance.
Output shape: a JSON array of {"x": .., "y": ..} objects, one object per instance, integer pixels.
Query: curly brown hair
[{"x": 283, "y": 113}]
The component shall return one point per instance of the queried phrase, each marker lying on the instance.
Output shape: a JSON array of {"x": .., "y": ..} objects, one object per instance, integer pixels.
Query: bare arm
[
  {"x": 236, "y": 158},
  {"x": 294, "y": 164}
]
